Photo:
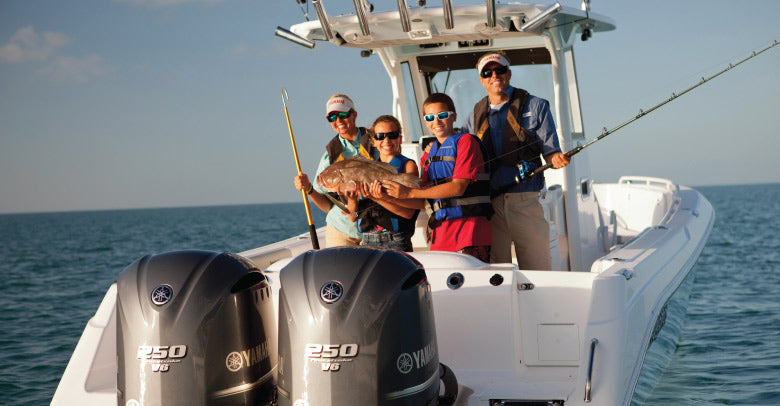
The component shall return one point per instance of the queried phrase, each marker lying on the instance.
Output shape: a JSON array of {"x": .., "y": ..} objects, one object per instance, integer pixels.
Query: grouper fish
[{"x": 345, "y": 175}]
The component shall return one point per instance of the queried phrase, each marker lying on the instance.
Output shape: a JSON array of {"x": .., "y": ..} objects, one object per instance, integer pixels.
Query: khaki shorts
[{"x": 335, "y": 238}]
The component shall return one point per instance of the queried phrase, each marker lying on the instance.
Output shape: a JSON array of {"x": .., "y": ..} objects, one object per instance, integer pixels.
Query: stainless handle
[{"x": 588, "y": 379}]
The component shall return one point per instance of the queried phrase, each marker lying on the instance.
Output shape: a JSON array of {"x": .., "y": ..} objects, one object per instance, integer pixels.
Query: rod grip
[{"x": 313, "y": 233}]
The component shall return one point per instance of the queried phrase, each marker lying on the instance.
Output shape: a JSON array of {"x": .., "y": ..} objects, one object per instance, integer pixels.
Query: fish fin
[
  {"x": 409, "y": 180},
  {"x": 350, "y": 186}
]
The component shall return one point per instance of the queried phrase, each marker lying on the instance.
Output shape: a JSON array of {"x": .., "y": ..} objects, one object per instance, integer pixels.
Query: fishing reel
[{"x": 524, "y": 171}]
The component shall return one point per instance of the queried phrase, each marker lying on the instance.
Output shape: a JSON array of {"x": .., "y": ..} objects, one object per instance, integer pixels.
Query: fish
[{"x": 344, "y": 176}]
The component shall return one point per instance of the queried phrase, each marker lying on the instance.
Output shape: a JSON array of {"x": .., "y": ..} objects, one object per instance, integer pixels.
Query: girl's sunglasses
[
  {"x": 392, "y": 135},
  {"x": 336, "y": 115},
  {"x": 441, "y": 116},
  {"x": 486, "y": 73}
]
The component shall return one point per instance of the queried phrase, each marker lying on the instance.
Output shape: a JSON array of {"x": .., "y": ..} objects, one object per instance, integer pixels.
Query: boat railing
[{"x": 650, "y": 182}]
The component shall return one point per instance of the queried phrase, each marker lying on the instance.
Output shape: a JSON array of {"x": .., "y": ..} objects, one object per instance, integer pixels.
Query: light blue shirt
[
  {"x": 335, "y": 217},
  {"x": 536, "y": 119}
]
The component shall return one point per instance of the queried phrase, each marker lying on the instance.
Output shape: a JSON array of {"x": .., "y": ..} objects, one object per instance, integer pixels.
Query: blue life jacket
[
  {"x": 372, "y": 214},
  {"x": 475, "y": 201}
]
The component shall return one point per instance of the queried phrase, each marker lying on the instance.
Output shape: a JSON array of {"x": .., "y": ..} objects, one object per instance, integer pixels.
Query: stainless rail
[
  {"x": 323, "y": 19},
  {"x": 491, "y": 13},
  {"x": 449, "y": 20},
  {"x": 403, "y": 14},
  {"x": 589, "y": 378},
  {"x": 360, "y": 11}
]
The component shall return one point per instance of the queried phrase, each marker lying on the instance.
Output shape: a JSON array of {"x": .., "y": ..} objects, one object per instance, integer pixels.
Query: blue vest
[
  {"x": 373, "y": 214},
  {"x": 474, "y": 202}
]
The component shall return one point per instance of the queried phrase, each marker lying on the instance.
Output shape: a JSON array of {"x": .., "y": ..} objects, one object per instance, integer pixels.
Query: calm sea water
[{"x": 56, "y": 268}]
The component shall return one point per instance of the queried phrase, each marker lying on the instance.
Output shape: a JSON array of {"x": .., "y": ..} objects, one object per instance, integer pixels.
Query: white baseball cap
[
  {"x": 498, "y": 58},
  {"x": 339, "y": 103}
]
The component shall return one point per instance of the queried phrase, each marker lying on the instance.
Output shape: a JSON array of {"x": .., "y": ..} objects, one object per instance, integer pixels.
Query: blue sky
[{"x": 151, "y": 103}]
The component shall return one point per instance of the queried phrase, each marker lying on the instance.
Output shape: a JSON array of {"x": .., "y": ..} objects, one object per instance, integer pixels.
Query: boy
[{"x": 457, "y": 185}]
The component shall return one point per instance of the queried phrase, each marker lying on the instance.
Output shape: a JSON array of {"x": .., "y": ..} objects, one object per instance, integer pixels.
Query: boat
[{"x": 597, "y": 328}]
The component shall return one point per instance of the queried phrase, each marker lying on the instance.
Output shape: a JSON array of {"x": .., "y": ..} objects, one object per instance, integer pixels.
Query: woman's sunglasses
[
  {"x": 441, "y": 116},
  {"x": 336, "y": 115},
  {"x": 486, "y": 73},
  {"x": 392, "y": 135}
]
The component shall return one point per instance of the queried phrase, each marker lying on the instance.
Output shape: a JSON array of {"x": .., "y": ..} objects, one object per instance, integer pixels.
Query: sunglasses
[
  {"x": 486, "y": 73},
  {"x": 392, "y": 135},
  {"x": 441, "y": 116},
  {"x": 332, "y": 117}
]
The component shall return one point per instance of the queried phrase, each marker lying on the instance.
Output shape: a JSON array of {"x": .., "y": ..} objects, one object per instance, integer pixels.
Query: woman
[{"x": 386, "y": 221}]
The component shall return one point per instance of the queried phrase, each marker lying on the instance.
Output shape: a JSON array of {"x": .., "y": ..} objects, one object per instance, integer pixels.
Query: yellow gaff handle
[{"x": 312, "y": 231}]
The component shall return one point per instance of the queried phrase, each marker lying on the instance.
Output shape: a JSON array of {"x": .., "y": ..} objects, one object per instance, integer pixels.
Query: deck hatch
[{"x": 558, "y": 342}]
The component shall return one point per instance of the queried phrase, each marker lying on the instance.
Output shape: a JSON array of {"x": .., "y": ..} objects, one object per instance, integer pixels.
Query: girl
[{"x": 382, "y": 219}]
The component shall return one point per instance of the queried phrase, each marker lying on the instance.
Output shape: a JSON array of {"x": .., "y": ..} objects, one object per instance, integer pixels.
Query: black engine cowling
[
  {"x": 195, "y": 328},
  {"x": 356, "y": 327}
]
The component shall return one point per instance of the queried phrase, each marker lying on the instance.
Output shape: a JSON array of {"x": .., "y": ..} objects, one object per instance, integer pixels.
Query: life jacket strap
[{"x": 462, "y": 201}]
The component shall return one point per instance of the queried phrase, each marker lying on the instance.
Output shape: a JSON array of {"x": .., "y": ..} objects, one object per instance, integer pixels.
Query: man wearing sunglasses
[
  {"x": 350, "y": 140},
  {"x": 515, "y": 127}
]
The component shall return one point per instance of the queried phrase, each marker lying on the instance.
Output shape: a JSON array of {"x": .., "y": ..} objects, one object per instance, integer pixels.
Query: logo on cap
[{"x": 492, "y": 58}]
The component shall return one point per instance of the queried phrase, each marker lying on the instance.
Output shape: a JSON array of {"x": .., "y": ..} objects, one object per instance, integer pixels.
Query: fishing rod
[
  {"x": 315, "y": 243},
  {"x": 525, "y": 172}
]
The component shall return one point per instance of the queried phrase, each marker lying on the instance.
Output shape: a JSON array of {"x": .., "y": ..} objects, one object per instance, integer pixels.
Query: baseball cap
[
  {"x": 339, "y": 103},
  {"x": 493, "y": 57}
]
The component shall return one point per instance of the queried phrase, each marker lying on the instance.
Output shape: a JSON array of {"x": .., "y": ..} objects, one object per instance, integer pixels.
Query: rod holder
[
  {"x": 403, "y": 14},
  {"x": 491, "y": 13},
  {"x": 541, "y": 18},
  {"x": 291, "y": 36},
  {"x": 323, "y": 17},
  {"x": 449, "y": 20},
  {"x": 360, "y": 12}
]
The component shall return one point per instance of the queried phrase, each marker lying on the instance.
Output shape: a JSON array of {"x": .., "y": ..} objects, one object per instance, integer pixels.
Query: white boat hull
[{"x": 528, "y": 338}]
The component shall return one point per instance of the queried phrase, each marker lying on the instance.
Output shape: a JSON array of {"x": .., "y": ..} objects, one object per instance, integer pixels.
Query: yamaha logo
[
  {"x": 162, "y": 294},
  {"x": 331, "y": 292},
  {"x": 404, "y": 363},
  {"x": 233, "y": 361}
]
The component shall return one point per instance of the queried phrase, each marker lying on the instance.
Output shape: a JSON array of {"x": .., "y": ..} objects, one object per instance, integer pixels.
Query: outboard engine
[
  {"x": 356, "y": 327},
  {"x": 195, "y": 328}
]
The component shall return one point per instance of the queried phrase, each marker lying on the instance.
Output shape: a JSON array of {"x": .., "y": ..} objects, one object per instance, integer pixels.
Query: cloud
[
  {"x": 70, "y": 69},
  {"x": 164, "y": 3},
  {"x": 27, "y": 45}
]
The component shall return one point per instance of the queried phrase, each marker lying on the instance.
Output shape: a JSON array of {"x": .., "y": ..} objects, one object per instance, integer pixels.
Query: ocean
[{"x": 56, "y": 268}]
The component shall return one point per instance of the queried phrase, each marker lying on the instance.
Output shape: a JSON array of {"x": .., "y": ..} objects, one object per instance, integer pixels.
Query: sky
[{"x": 110, "y": 104}]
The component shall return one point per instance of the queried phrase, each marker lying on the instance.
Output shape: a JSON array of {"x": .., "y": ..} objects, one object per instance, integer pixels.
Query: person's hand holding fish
[
  {"x": 374, "y": 190},
  {"x": 364, "y": 189},
  {"x": 395, "y": 189},
  {"x": 352, "y": 195}
]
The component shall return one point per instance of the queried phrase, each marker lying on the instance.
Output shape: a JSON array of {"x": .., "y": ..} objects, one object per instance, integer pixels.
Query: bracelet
[{"x": 311, "y": 189}]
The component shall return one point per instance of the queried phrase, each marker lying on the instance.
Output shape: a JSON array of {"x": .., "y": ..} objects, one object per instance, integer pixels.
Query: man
[
  {"x": 349, "y": 141},
  {"x": 456, "y": 184},
  {"x": 515, "y": 127}
]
